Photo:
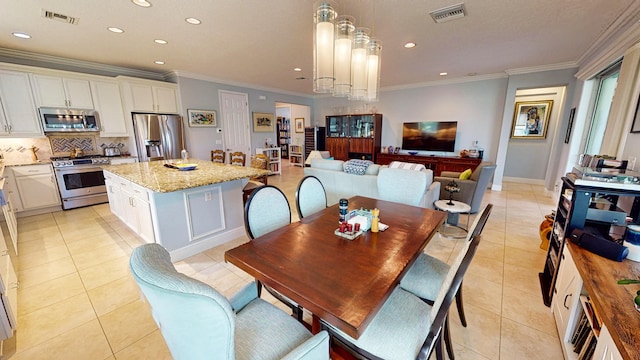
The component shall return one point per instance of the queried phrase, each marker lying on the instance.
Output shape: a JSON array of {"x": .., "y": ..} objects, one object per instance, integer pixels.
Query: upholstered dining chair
[
  {"x": 197, "y": 322},
  {"x": 310, "y": 196},
  {"x": 427, "y": 274},
  {"x": 237, "y": 158},
  {"x": 217, "y": 156},
  {"x": 402, "y": 185},
  {"x": 266, "y": 210},
  {"x": 259, "y": 161},
  {"x": 407, "y": 327}
]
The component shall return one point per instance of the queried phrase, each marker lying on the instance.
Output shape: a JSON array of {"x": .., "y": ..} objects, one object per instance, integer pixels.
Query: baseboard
[
  {"x": 523, "y": 180},
  {"x": 204, "y": 245}
]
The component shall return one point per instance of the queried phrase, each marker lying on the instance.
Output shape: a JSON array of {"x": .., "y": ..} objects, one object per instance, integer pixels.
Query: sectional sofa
[{"x": 340, "y": 184}]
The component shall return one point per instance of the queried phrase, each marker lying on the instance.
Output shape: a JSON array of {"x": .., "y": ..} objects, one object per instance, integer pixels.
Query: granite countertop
[{"x": 155, "y": 176}]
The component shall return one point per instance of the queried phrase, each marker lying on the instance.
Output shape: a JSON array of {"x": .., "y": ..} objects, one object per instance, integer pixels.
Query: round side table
[{"x": 453, "y": 215}]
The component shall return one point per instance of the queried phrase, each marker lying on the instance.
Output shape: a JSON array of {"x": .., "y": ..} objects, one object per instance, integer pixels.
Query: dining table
[{"x": 342, "y": 282}]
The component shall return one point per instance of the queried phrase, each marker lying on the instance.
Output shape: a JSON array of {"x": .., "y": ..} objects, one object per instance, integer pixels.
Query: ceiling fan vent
[
  {"x": 60, "y": 17},
  {"x": 449, "y": 13}
]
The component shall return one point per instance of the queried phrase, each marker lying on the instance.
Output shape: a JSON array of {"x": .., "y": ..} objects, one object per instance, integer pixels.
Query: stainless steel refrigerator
[{"x": 158, "y": 136}]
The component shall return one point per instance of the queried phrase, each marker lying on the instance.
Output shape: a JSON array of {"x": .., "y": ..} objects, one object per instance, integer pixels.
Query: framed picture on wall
[
  {"x": 531, "y": 119},
  {"x": 262, "y": 122},
  {"x": 299, "y": 125},
  {"x": 202, "y": 118}
]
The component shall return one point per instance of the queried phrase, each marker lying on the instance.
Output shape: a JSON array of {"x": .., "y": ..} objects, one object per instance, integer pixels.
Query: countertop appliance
[
  {"x": 158, "y": 136},
  {"x": 80, "y": 180},
  {"x": 69, "y": 120}
]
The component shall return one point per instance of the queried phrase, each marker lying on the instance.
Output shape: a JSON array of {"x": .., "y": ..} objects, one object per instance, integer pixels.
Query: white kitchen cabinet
[
  {"x": 18, "y": 112},
  {"x": 606, "y": 348},
  {"x": 54, "y": 91},
  {"x": 108, "y": 103},
  {"x": 36, "y": 185},
  {"x": 566, "y": 299},
  {"x": 130, "y": 202},
  {"x": 150, "y": 96}
]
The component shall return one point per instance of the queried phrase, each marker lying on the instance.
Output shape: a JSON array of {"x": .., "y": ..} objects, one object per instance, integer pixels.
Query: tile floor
[{"x": 78, "y": 301}]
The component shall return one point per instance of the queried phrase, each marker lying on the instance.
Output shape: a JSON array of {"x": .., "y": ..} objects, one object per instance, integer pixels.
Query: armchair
[
  {"x": 197, "y": 322},
  {"x": 471, "y": 190}
]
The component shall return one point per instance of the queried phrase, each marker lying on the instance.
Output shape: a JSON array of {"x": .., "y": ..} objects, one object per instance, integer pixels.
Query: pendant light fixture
[{"x": 346, "y": 60}]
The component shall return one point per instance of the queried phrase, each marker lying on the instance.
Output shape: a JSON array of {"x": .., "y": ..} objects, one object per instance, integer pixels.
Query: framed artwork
[
  {"x": 531, "y": 119},
  {"x": 202, "y": 118},
  {"x": 262, "y": 122},
  {"x": 635, "y": 127},
  {"x": 299, "y": 125},
  {"x": 567, "y": 136}
]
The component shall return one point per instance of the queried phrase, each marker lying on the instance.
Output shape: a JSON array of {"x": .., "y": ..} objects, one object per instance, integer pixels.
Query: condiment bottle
[
  {"x": 344, "y": 207},
  {"x": 374, "y": 220}
]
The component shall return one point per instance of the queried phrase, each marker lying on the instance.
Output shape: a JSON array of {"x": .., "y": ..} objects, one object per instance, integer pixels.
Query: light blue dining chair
[
  {"x": 266, "y": 210},
  {"x": 197, "y": 322},
  {"x": 407, "y": 327},
  {"x": 310, "y": 196},
  {"x": 427, "y": 274},
  {"x": 402, "y": 185}
]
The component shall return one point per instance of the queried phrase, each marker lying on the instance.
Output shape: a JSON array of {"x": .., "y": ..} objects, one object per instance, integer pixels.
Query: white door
[{"x": 236, "y": 128}]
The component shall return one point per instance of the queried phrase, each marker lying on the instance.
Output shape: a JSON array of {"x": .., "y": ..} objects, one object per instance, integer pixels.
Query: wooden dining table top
[{"x": 343, "y": 282}]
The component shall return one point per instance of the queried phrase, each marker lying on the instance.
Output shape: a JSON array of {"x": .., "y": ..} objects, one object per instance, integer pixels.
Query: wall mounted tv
[{"x": 429, "y": 135}]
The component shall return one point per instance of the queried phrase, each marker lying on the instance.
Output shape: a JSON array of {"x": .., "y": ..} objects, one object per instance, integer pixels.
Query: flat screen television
[{"x": 429, "y": 135}]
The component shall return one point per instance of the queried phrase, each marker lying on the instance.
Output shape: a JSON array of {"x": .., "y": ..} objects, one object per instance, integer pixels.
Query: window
[{"x": 607, "y": 81}]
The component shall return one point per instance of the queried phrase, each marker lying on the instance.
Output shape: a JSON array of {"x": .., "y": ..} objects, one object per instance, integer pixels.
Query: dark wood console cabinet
[{"x": 436, "y": 163}]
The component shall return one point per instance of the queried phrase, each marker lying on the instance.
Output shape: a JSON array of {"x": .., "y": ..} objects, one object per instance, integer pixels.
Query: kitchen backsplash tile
[{"x": 17, "y": 150}]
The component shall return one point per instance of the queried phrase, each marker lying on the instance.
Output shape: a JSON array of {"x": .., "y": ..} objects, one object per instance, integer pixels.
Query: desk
[{"x": 343, "y": 282}]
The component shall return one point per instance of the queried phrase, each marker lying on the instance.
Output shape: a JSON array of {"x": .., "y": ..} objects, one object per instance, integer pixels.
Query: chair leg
[
  {"x": 447, "y": 338},
  {"x": 439, "y": 347},
  {"x": 460, "y": 306},
  {"x": 259, "y": 286}
]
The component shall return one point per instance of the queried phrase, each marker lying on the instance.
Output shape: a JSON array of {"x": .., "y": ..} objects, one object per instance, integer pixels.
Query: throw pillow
[
  {"x": 465, "y": 175},
  {"x": 357, "y": 167},
  {"x": 406, "y": 165}
]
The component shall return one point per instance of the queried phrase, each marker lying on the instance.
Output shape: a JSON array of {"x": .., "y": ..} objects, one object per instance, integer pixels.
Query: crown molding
[
  {"x": 612, "y": 43},
  {"x": 541, "y": 68},
  {"x": 195, "y": 76},
  {"x": 54, "y": 62},
  {"x": 464, "y": 79}
]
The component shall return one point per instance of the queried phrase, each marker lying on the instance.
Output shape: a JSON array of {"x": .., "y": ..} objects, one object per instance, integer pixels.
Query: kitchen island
[{"x": 187, "y": 212}]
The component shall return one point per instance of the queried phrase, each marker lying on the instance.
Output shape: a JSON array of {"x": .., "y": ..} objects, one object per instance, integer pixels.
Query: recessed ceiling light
[
  {"x": 160, "y": 41},
  {"x": 142, "y": 3},
  {"x": 21, "y": 35},
  {"x": 410, "y": 45},
  {"x": 192, "y": 21},
  {"x": 115, "y": 30},
  {"x": 444, "y": 74},
  {"x": 159, "y": 62},
  {"x": 297, "y": 69}
]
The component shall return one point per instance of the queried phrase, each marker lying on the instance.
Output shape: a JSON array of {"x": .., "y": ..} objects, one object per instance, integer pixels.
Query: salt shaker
[{"x": 184, "y": 154}]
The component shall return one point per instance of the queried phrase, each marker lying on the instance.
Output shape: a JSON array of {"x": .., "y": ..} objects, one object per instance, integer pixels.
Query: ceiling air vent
[
  {"x": 60, "y": 17},
  {"x": 449, "y": 13}
]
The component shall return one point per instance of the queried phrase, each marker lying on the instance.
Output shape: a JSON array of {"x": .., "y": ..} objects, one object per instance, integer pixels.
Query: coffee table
[{"x": 453, "y": 214}]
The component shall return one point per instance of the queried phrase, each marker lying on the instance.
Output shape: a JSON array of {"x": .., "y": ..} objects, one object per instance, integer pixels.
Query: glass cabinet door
[
  {"x": 362, "y": 126},
  {"x": 337, "y": 126}
]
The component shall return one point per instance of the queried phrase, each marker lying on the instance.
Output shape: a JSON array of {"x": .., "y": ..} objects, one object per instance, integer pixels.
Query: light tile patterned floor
[{"x": 78, "y": 301}]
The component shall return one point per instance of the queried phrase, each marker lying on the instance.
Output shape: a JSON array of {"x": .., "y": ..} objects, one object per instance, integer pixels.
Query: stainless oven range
[{"x": 80, "y": 180}]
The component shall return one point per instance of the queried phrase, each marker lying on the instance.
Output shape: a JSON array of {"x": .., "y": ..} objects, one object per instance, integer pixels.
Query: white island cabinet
[{"x": 187, "y": 212}]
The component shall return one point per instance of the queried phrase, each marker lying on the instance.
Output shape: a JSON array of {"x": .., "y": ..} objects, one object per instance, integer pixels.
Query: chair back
[
  {"x": 260, "y": 161},
  {"x": 237, "y": 158},
  {"x": 446, "y": 295},
  {"x": 479, "y": 223},
  {"x": 482, "y": 175},
  {"x": 217, "y": 156},
  {"x": 310, "y": 196},
  {"x": 267, "y": 209},
  {"x": 195, "y": 320},
  {"x": 402, "y": 185}
]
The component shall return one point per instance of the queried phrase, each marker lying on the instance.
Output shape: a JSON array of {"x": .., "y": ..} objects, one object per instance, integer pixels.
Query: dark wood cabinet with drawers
[{"x": 436, "y": 163}]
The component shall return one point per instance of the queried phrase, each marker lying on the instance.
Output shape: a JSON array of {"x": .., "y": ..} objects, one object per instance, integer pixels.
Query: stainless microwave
[{"x": 69, "y": 120}]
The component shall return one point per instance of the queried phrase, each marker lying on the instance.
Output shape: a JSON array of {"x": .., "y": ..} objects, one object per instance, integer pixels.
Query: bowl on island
[{"x": 413, "y": 153}]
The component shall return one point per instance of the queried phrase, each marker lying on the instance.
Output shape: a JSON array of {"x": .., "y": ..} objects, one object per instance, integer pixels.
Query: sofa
[
  {"x": 340, "y": 184},
  {"x": 472, "y": 189}
]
